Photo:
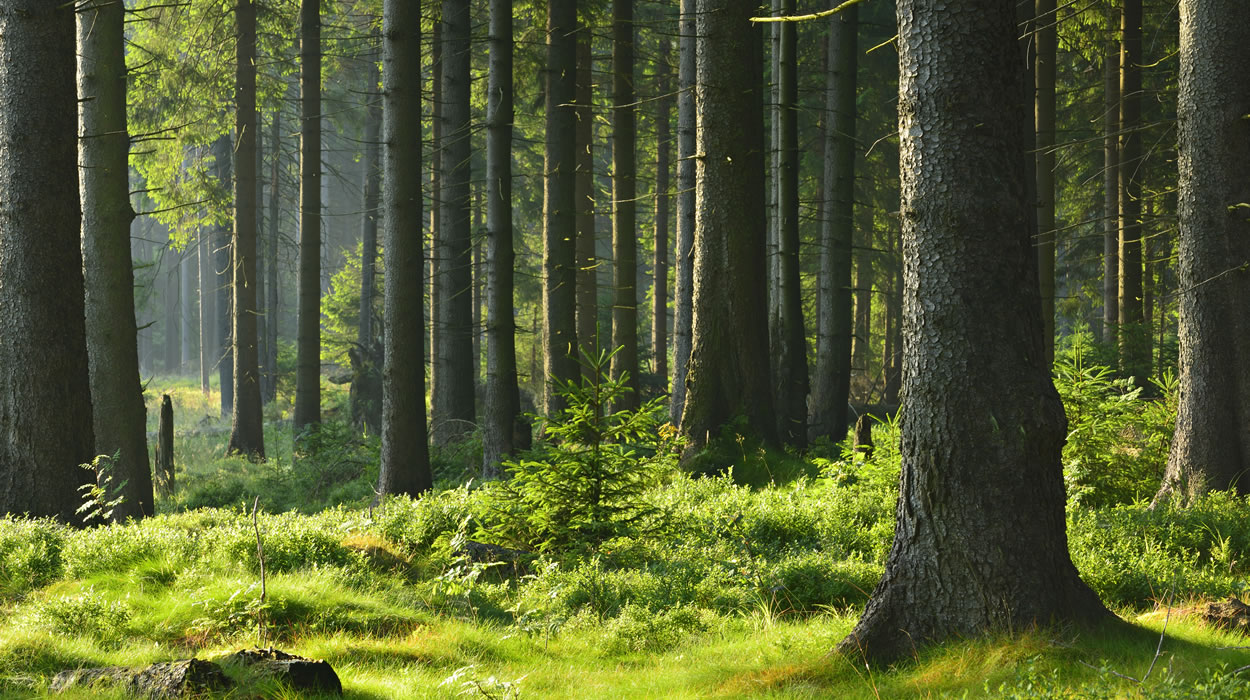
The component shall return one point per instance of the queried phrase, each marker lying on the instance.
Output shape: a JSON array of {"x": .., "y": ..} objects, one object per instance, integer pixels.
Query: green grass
[{"x": 735, "y": 589}]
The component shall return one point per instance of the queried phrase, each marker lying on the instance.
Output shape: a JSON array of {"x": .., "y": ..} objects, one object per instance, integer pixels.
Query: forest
[{"x": 624, "y": 348}]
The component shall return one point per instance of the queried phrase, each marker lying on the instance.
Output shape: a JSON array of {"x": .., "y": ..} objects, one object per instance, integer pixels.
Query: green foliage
[
  {"x": 30, "y": 554},
  {"x": 100, "y": 498},
  {"x": 739, "y": 451},
  {"x": 1117, "y": 441},
  {"x": 587, "y": 484},
  {"x": 87, "y": 613},
  {"x": 340, "y": 309}
]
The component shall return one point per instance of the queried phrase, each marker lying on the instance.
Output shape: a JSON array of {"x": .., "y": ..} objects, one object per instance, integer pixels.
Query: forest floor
[{"x": 743, "y": 591}]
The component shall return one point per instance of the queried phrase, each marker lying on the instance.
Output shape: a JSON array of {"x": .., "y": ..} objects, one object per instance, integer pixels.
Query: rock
[
  {"x": 1231, "y": 614},
  {"x": 296, "y": 671},
  {"x": 171, "y": 679}
]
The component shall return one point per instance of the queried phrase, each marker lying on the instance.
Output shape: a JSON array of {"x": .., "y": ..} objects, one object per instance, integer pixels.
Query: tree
[
  {"x": 559, "y": 204},
  {"x": 683, "y": 277},
  {"x": 120, "y": 420},
  {"x": 587, "y": 314},
  {"x": 1134, "y": 338},
  {"x": 221, "y": 267},
  {"x": 247, "y": 431},
  {"x": 308, "y": 335},
  {"x": 979, "y": 542},
  {"x": 503, "y": 401},
  {"x": 366, "y": 403},
  {"x": 1111, "y": 194},
  {"x": 43, "y": 344},
  {"x": 659, "y": 260},
  {"x": 1209, "y": 450},
  {"x": 836, "y": 324},
  {"x": 624, "y": 205},
  {"x": 790, "y": 353},
  {"x": 405, "y": 454},
  {"x": 453, "y": 403},
  {"x": 1046, "y": 37},
  {"x": 727, "y": 377}
]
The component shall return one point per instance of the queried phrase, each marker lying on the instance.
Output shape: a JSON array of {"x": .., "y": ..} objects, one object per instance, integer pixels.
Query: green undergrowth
[{"x": 681, "y": 585}]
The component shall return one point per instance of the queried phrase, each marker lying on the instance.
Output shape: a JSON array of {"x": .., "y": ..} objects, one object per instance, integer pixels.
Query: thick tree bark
[
  {"x": 247, "y": 433},
  {"x": 453, "y": 403},
  {"x": 727, "y": 376},
  {"x": 1211, "y": 447},
  {"x": 659, "y": 260},
  {"x": 503, "y": 401},
  {"x": 1046, "y": 38},
  {"x": 1134, "y": 338},
  {"x": 120, "y": 420},
  {"x": 587, "y": 263},
  {"x": 980, "y": 542},
  {"x": 367, "y": 403},
  {"x": 836, "y": 322},
  {"x": 559, "y": 204},
  {"x": 44, "y": 382},
  {"x": 790, "y": 350},
  {"x": 1111, "y": 195},
  {"x": 308, "y": 332},
  {"x": 624, "y": 204},
  {"x": 405, "y": 454},
  {"x": 683, "y": 279}
]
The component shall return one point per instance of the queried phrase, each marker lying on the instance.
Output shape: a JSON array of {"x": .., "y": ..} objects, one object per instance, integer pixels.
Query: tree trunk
[
  {"x": 503, "y": 401},
  {"x": 308, "y": 335},
  {"x": 587, "y": 263},
  {"x": 836, "y": 322},
  {"x": 728, "y": 370},
  {"x": 1211, "y": 447},
  {"x": 275, "y": 192},
  {"x": 894, "y": 321},
  {"x": 43, "y": 341},
  {"x": 1046, "y": 39},
  {"x": 165, "y": 481},
  {"x": 559, "y": 204},
  {"x": 1134, "y": 340},
  {"x": 453, "y": 403},
  {"x": 405, "y": 454},
  {"x": 790, "y": 348},
  {"x": 979, "y": 543},
  {"x": 683, "y": 279},
  {"x": 173, "y": 349},
  {"x": 438, "y": 368},
  {"x": 104, "y": 149},
  {"x": 659, "y": 261},
  {"x": 222, "y": 275},
  {"x": 247, "y": 433},
  {"x": 367, "y": 401},
  {"x": 208, "y": 303},
  {"x": 262, "y": 267},
  {"x": 188, "y": 276},
  {"x": 865, "y": 278},
  {"x": 624, "y": 205},
  {"x": 1111, "y": 195}
]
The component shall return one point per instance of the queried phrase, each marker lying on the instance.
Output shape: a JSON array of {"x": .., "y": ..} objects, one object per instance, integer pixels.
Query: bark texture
[
  {"x": 659, "y": 260},
  {"x": 728, "y": 370},
  {"x": 1211, "y": 447},
  {"x": 120, "y": 419},
  {"x": 247, "y": 433},
  {"x": 1111, "y": 195},
  {"x": 45, "y": 395},
  {"x": 1046, "y": 39},
  {"x": 683, "y": 276},
  {"x": 980, "y": 541},
  {"x": 503, "y": 400},
  {"x": 587, "y": 262},
  {"x": 559, "y": 204},
  {"x": 1134, "y": 337},
  {"x": 624, "y": 204},
  {"x": 308, "y": 317},
  {"x": 405, "y": 455}
]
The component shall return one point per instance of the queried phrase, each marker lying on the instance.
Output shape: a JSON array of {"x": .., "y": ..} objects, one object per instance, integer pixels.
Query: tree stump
[
  {"x": 165, "y": 448},
  {"x": 863, "y": 436}
]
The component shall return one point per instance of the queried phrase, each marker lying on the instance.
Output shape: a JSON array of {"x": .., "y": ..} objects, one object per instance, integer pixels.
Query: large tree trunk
[
  {"x": 308, "y": 332},
  {"x": 453, "y": 403},
  {"x": 247, "y": 433},
  {"x": 559, "y": 204},
  {"x": 728, "y": 371},
  {"x": 503, "y": 401},
  {"x": 45, "y": 394},
  {"x": 836, "y": 321},
  {"x": 1134, "y": 338},
  {"x": 979, "y": 543},
  {"x": 366, "y": 399},
  {"x": 120, "y": 418},
  {"x": 1111, "y": 195},
  {"x": 683, "y": 279},
  {"x": 790, "y": 352},
  {"x": 405, "y": 454},
  {"x": 587, "y": 264},
  {"x": 1211, "y": 447},
  {"x": 624, "y": 204},
  {"x": 659, "y": 261},
  {"x": 1046, "y": 38}
]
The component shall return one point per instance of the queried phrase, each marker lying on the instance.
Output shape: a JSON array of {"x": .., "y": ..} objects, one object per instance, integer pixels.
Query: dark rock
[
  {"x": 171, "y": 679},
  {"x": 296, "y": 671},
  {"x": 1231, "y": 614}
]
